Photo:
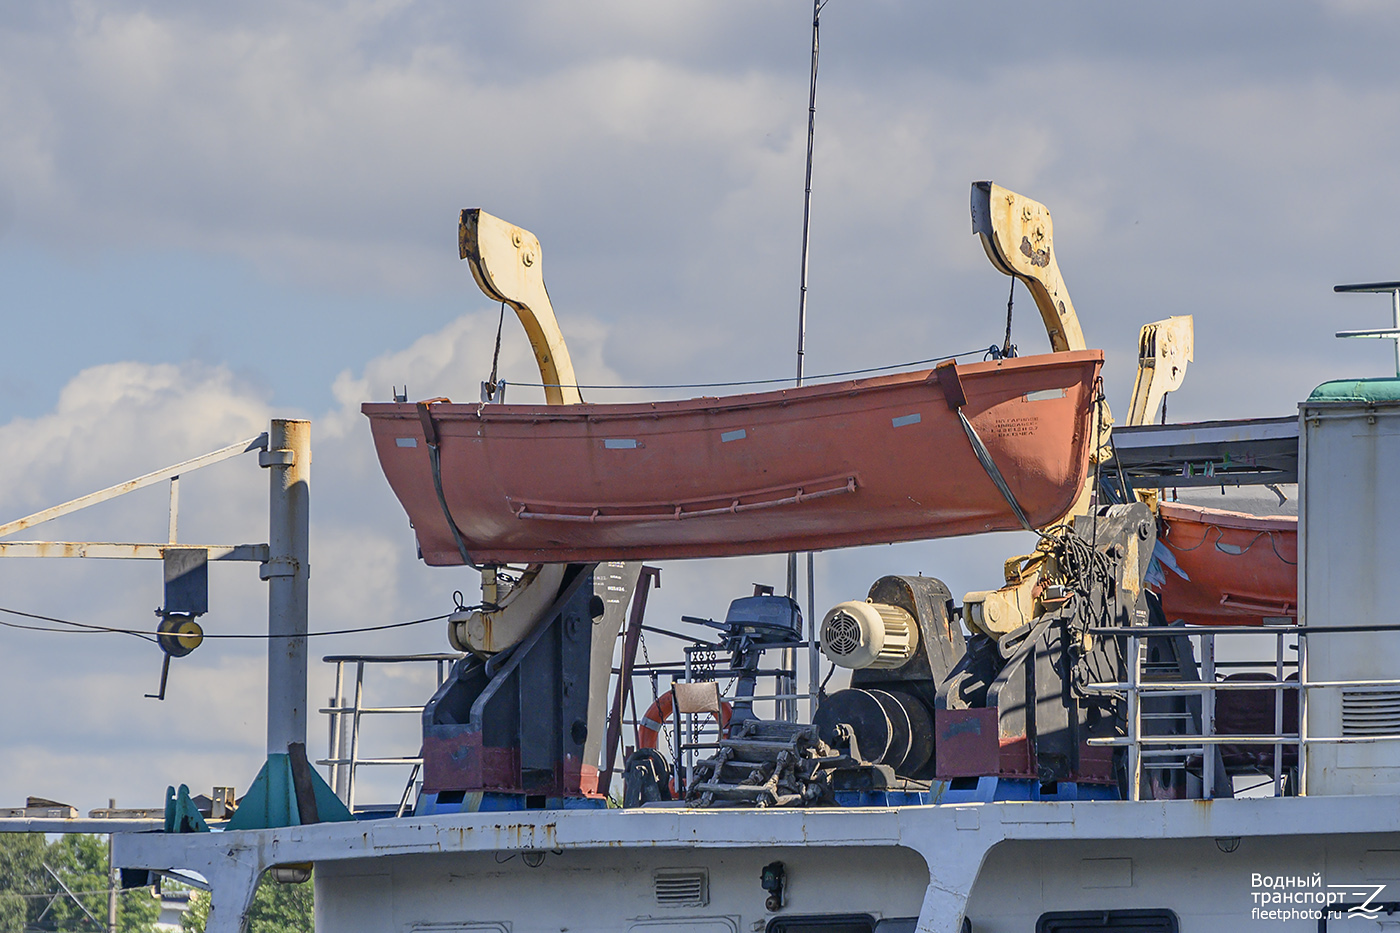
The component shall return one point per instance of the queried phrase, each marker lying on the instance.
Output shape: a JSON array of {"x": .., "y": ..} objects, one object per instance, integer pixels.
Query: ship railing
[
  {"x": 698, "y": 732},
  {"x": 345, "y": 713},
  {"x": 693, "y": 733},
  {"x": 701, "y": 663},
  {"x": 1146, "y": 751}
]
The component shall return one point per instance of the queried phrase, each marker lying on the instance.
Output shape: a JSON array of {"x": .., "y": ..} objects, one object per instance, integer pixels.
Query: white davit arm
[{"x": 507, "y": 264}]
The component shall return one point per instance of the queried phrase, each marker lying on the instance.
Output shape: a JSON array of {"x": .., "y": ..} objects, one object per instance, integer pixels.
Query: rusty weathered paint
[
  {"x": 852, "y": 463},
  {"x": 1040, "y": 258},
  {"x": 115, "y": 550}
]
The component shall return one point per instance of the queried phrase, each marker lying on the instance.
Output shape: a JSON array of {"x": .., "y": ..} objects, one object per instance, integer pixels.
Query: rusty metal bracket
[
  {"x": 425, "y": 418},
  {"x": 951, "y": 383}
]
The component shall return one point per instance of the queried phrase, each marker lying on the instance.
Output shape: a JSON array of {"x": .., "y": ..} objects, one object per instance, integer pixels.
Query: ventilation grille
[
  {"x": 842, "y": 635},
  {"x": 682, "y": 887},
  {"x": 1370, "y": 712}
]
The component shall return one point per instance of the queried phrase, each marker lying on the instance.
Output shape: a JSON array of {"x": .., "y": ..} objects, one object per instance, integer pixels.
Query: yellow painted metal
[
  {"x": 506, "y": 262},
  {"x": 485, "y": 633},
  {"x": 1164, "y": 350},
  {"x": 1018, "y": 236}
]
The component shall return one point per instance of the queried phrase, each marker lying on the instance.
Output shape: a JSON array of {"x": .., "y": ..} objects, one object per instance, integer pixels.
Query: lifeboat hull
[
  {"x": 835, "y": 465},
  {"x": 1235, "y": 569}
]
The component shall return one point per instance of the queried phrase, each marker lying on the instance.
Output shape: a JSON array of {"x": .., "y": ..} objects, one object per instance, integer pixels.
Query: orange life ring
[{"x": 659, "y": 714}]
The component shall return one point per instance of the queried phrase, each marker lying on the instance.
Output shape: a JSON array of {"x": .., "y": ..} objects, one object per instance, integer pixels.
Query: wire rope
[
  {"x": 756, "y": 382},
  {"x": 87, "y": 628}
]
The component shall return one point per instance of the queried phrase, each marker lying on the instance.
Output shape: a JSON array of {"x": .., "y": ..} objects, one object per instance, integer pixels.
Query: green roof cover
[{"x": 1358, "y": 390}]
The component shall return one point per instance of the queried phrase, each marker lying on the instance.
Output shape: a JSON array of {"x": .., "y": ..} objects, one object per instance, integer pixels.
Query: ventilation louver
[
  {"x": 682, "y": 887},
  {"x": 1367, "y": 712}
]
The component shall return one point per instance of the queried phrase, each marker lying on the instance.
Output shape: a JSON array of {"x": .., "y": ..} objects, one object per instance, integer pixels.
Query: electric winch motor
[{"x": 860, "y": 635}]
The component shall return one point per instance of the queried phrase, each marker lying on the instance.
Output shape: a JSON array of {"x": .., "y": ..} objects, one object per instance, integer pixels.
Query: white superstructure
[{"x": 1349, "y": 538}]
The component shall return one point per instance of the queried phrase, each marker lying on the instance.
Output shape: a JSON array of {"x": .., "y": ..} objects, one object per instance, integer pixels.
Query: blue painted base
[
  {"x": 884, "y": 798},
  {"x": 989, "y": 789},
  {"x": 492, "y": 802}
]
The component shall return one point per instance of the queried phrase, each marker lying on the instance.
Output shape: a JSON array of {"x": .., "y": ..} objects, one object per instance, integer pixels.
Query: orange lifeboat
[
  {"x": 1230, "y": 568},
  {"x": 850, "y": 463}
]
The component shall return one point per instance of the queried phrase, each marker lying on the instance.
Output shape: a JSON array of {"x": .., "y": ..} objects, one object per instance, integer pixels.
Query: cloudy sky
[{"x": 214, "y": 214}]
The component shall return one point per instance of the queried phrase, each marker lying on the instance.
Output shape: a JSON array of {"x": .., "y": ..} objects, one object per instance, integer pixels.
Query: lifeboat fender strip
[
  {"x": 677, "y": 511},
  {"x": 430, "y": 435},
  {"x": 1242, "y": 604}
]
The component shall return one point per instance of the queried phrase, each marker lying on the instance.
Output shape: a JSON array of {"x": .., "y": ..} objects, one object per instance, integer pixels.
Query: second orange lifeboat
[{"x": 1229, "y": 568}]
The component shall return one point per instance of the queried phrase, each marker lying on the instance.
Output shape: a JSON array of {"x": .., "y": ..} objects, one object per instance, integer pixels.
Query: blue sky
[
  {"x": 173, "y": 306},
  {"x": 211, "y": 215}
]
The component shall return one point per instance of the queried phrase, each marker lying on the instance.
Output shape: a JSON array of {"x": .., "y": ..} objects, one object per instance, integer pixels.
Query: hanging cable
[
  {"x": 1098, "y": 455},
  {"x": 87, "y": 628},
  {"x": 77, "y": 628},
  {"x": 1008, "y": 349},
  {"x": 758, "y": 382},
  {"x": 496, "y": 356}
]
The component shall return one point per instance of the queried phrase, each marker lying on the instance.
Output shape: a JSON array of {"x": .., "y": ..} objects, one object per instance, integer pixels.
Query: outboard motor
[{"x": 752, "y": 625}]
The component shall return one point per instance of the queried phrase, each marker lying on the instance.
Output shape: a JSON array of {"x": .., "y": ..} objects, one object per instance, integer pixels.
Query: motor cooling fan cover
[{"x": 859, "y": 635}]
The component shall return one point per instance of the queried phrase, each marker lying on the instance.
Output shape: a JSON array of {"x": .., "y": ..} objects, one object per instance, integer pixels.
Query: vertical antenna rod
[
  {"x": 807, "y": 195},
  {"x": 791, "y": 686}
]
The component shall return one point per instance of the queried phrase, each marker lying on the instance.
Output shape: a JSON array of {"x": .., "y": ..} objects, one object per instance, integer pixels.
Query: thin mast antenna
[
  {"x": 801, "y": 358},
  {"x": 807, "y": 194}
]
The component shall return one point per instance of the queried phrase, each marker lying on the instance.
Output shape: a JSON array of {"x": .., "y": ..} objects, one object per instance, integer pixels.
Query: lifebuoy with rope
[{"x": 659, "y": 714}]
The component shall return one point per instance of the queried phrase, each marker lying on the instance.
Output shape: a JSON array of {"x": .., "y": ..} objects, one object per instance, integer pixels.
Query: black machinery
[
  {"x": 752, "y": 625},
  {"x": 928, "y": 701},
  {"x": 529, "y": 720},
  {"x": 931, "y": 697}
]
